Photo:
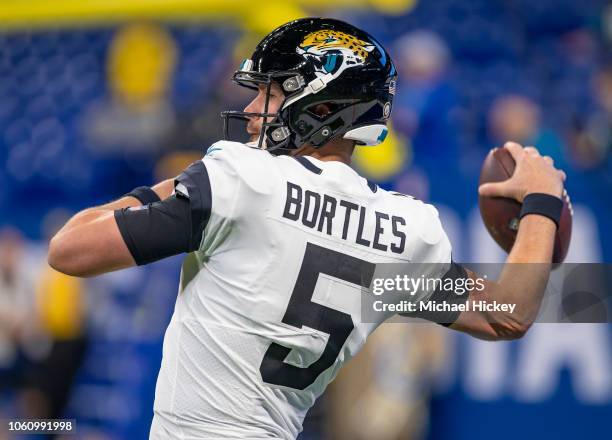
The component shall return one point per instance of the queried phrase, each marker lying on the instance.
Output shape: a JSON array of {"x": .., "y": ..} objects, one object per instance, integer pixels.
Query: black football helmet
[{"x": 319, "y": 61}]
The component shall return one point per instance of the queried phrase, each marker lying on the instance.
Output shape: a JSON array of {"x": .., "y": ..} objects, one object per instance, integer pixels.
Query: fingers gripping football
[{"x": 533, "y": 174}]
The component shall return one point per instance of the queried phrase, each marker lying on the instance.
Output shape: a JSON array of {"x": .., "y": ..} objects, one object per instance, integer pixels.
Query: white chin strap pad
[{"x": 368, "y": 135}]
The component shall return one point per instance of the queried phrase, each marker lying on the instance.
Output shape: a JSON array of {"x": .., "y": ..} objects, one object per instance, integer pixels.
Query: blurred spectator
[
  {"x": 423, "y": 112},
  {"x": 60, "y": 310},
  {"x": 383, "y": 392},
  {"x": 60, "y": 304},
  {"x": 201, "y": 125},
  {"x": 425, "y": 99},
  {"x": 138, "y": 115},
  {"x": 15, "y": 296},
  {"x": 22, "y": 343},
  {"x": 517, "y": 118},
  {"x": 580, "y": 49},
  {"x": 591, "y": 135},
  {"x": 41, "y": 331}
]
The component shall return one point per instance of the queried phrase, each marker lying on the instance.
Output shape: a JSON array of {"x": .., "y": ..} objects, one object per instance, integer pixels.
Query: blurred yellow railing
[{"x": 258, "y": 17}]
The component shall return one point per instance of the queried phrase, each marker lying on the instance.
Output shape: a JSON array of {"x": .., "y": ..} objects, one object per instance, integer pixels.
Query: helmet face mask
[
  {"x": 272, "y": 127},
  {"x": 319, "y": 62}
]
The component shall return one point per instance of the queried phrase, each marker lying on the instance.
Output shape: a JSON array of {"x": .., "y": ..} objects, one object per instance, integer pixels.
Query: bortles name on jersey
[{"x": 322, "y": 212}]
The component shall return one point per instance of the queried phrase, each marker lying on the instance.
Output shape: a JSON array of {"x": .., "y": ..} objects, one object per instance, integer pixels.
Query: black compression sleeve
[
  {"x": 144, "y": 195},
  {"x": 172, "y": 226},
  {"x": 156, "y": 231}
]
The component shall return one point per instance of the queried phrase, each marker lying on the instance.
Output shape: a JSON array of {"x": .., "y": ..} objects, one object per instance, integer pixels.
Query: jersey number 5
[{"x": 301, "y": 311}]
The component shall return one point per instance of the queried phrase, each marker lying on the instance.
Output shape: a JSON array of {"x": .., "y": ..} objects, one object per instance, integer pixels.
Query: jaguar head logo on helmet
[
  {"x": 317, "y": 63},
  {"x": 333, "y": 52}
]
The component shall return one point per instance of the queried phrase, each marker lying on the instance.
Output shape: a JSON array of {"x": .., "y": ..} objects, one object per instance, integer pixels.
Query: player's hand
[{"x": 533, "y": 174}]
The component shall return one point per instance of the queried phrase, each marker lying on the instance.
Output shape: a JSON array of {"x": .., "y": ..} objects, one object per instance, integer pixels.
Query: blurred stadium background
[{"x": 98, "y": 97}]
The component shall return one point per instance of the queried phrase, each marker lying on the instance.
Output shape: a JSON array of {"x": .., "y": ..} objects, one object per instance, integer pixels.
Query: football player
[{"x": 281, "y": 235}]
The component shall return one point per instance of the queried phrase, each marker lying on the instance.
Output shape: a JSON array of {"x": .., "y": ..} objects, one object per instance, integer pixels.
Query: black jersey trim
[{"x": 308, "y": 164}]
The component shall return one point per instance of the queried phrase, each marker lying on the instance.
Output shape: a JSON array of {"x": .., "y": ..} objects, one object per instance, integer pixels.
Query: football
[{"x": 501, "y": 215}]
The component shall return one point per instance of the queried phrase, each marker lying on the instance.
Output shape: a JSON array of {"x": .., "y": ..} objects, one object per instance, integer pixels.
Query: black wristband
[
  {"x": 542, "y": 204},
  {"x": 144, "y": 194}
]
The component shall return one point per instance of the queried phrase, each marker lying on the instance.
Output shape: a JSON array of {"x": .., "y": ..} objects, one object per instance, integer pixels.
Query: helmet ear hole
[{"x": 322, "y": 110}]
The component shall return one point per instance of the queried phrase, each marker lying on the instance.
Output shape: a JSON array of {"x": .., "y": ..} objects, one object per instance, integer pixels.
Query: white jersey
[{"x": 269, "y": 306}]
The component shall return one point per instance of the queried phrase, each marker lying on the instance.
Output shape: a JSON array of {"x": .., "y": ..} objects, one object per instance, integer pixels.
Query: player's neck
[
  {"x": 345, "y": 158},
  {"x": 340, "y": 150}
]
